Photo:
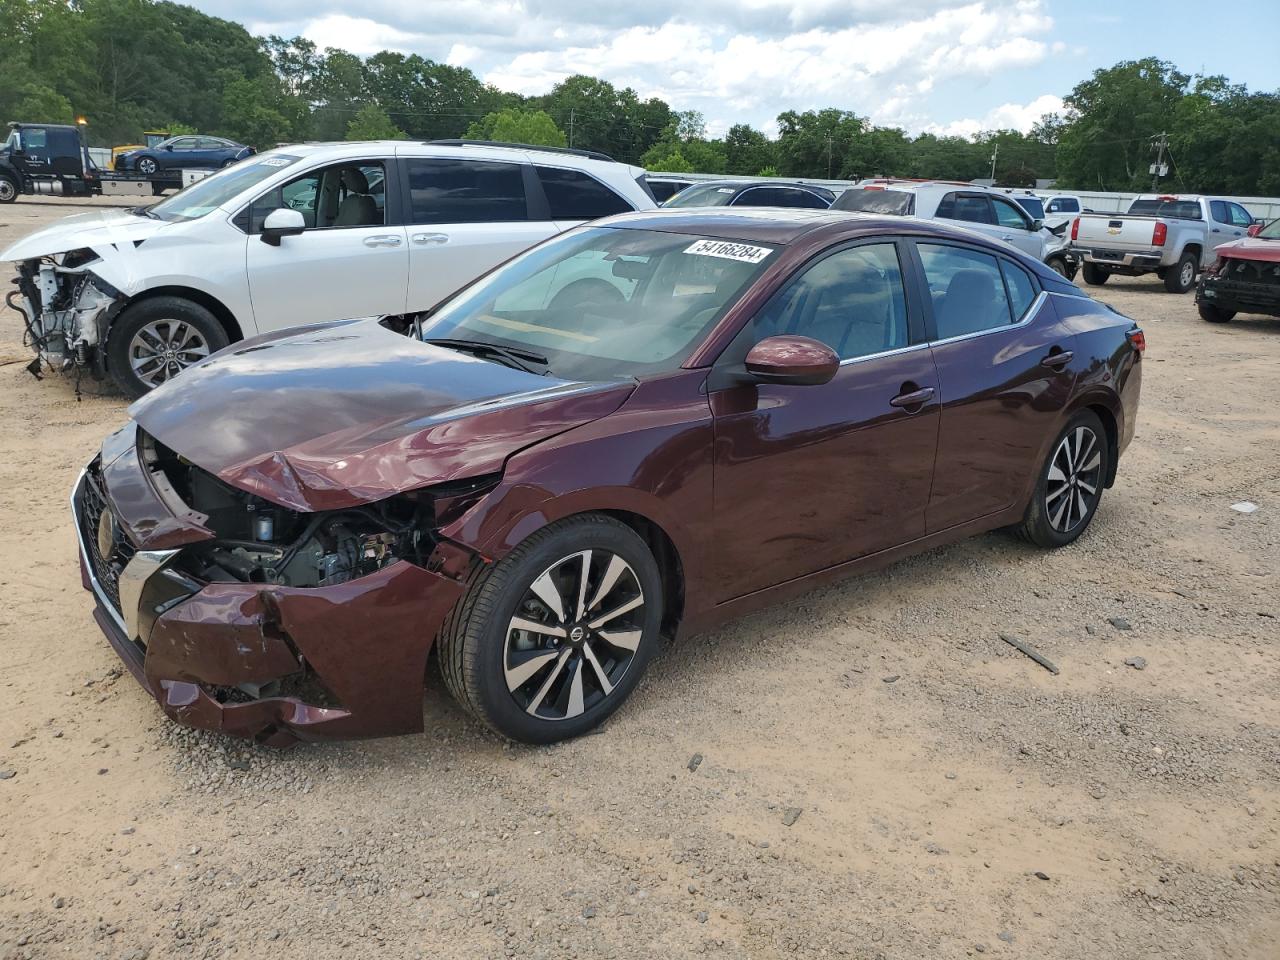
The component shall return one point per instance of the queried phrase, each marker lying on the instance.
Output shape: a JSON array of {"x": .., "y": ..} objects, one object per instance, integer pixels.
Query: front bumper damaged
[{"x": 271, "y": 663}]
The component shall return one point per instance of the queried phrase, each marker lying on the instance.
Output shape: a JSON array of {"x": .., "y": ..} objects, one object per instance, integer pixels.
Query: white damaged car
[{"x": 300, "y": 234}]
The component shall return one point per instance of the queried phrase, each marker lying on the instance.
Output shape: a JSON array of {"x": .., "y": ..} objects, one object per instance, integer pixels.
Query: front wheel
[
  {"x": 1182, "y": 277},
  {"x": 1059, "y": 266},
  {"x": 147, "y": 167},
  {"x": 156, "y": 339},
  {"x": 1213, "y": 313},
  {"x": 1070, "y": 485},
  {"x": 8, "y": 189},
  {"x": 550, "y": 641},
  {"x": 1094, "y": 275}
]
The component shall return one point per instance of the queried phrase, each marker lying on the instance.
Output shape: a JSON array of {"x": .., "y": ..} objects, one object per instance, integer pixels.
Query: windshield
[
  {"x": 1033, "y": 206},
  {"x": 605, "y": 302},
  {"x": 703, "y": 195},
  {"x": 1271, "y": 231},
  {"x": 899, "y": 203},
  {"x": 1178, "y": 209},
  {"x": 208, "y": 194}
]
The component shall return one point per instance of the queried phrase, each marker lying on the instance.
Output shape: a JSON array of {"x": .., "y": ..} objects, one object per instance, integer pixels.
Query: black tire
[
  {"x": 147, "y": 166},
  {"x": 1048, "y": 521},
  {"x": 8, "y": 189},
  {"x": 157, "y": 189},
  {"x": 1182, "y": 276},
  {"x": 1094, "y": 275},
  {"x": 209, "y": 337},
  {"x": 1059, "y": 266},
  {"x": 1213, "y": 313},
  {"x": 477, "y": 640}
]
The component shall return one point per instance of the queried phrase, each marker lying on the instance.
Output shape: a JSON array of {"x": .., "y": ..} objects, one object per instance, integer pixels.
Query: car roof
[{"x": 343, "y": 149}]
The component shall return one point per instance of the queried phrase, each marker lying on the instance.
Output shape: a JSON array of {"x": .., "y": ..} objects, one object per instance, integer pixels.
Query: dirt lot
[{"x": 880, "y": 775}]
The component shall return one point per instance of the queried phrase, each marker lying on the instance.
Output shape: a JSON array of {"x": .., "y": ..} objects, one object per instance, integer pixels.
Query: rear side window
[
  {"x": 1219, "y": 211},
  {"x": 1022, "y": 291},
  {"x": 967, "y": 290},
  {"x": 573, "y": 195},
  {"x": 465, "y": 191},
  {"x": 966, "y": 207},
  {"x": 896, "y": 203}
]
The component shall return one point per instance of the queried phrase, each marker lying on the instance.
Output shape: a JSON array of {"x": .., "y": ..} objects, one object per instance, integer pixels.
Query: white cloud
[{"x": 1007, "y": 116}]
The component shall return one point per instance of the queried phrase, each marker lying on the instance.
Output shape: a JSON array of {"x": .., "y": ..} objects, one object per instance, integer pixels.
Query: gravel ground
[{"x": 880, "y": 775}]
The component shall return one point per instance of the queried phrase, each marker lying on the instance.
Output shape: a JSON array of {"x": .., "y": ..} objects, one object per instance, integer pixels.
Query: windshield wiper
[{"x": 511, "y": 356}]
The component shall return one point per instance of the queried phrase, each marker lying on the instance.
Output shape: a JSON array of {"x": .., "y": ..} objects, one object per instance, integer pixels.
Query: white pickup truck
[{"x": 1172, "y": 236}]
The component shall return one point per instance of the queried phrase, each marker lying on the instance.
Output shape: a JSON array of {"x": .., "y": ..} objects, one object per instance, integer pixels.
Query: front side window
[
  {"x": 183, "y": 143},
  {"x": 966, "y": 207},
  {"x": 1240, "y": 217},
  {"x": 574, "y": 195},
  {"x": 852, "y": 300},
  {"x": 966, "y": 288},
  {"x": 338, "y": 196},
  {"x": 212, "y": 192},
  {"x": 1008, "y": 215},
  {"x": 601, "y": 302},
  {"x": 703, "y": 195},
  {"x": 34, "y": 138},
  {"x": 465, "y": 191}
]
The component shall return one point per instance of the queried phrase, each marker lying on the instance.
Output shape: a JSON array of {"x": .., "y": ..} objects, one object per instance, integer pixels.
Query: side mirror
[
  {"x": 1037, "y": 224},
  {"x": 1255, "y": 230},
  {"x": 799, "y": 361},
  {"x": 282, "y": 222}
]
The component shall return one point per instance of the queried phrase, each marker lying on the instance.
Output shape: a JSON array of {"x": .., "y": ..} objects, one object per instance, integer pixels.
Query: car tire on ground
[
  {"x": 1182, "y": 276},
  {"x": 1094, "y": 275},
  {"x": 1213, "y": 313},
  {"x": 533, "y": 653},
  {"x": 8, "y": 189},
  {"x": 147, "y": 166},
  {"x": 155, "y": 339},
  {"x": 1060, "y": 266},
  {"x": 1069, "y": 486}
]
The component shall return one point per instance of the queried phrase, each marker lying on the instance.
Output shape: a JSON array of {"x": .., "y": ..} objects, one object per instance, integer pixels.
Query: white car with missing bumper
[{"x": 300, "y": 234}]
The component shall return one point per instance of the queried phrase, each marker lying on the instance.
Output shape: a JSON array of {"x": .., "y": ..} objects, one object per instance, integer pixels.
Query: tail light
[
  {"x": 1075, "y": 229},
  {"x": 1159, "y": 234},
  {"x": 1138, "y": 339}
]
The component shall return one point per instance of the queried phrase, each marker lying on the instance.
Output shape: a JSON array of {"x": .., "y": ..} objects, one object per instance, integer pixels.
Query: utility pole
[
  {"x": 571, "y": 126},
  {"x": 994, "y": 153},
  {"x": 1158, "y": 168},
  {"x": 830, "y": 144}
]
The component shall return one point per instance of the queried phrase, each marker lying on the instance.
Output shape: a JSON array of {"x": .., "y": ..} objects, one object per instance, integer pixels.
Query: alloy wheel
[
  {"x": 1188, "y": 275},
  {"x": 574, "y": 635},
  {"x": 147, "y": 165},
  {"x": 162, "y": 349},
  {"x": 1075, "y": 479}
]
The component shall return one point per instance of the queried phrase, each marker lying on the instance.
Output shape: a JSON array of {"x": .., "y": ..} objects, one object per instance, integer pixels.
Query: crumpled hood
[
  {"x": 97, "y": 230},
  {"x": 333, "y": 415},
  {"x": 1250, "y": 248}
]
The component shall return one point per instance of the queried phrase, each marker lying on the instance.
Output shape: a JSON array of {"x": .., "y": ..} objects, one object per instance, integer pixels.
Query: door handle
[
  {"x": 382, "y": 240},
  {"x": 1057, "y": 360},
  {"x": 1216, "y": 230},
  {"x": 430, "y": 238},
  {"x": 915, "y": 398},
  {"x": 1007, "y": 238}
]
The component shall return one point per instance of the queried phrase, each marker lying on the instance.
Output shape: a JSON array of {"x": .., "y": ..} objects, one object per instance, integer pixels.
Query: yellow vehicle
[{"x": 152, "y": 138}]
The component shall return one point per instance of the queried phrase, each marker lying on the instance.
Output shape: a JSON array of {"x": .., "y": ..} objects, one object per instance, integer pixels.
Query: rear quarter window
[{"x": 574, "y": 195}]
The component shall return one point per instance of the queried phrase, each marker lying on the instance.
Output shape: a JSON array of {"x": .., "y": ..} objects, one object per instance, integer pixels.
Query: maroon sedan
[{"x": 641, "y": 427}]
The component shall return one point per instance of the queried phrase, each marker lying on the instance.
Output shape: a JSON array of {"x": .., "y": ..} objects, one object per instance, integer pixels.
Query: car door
[
  {"x": 37, "y": 151},
  {"x": 807, "y": 477},
  {"x": 351, "y": 261},
  {"x": 177, "y": 153},
  {"x": 210, "y": 153},
  {"x": 1006, "y": 371},
  {"x": 1017, "y": 227},
  {"x": 465, "y": 216}
]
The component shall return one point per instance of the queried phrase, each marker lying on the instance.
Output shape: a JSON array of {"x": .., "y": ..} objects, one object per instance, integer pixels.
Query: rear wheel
[
  {"x": 1070, "y": 484},
  {"x": 8, "y": 189},
  {"x": 1094, "y": 275},
  {"x": 550, "y": 641},
  {"x": 155, "y": 340},
  {"x": 1214, "y": 313},
  {"x": 1182, "y": 277}
]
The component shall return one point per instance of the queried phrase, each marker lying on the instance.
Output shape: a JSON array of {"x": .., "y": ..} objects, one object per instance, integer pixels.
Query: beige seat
[{"x": 357, "y": 208}]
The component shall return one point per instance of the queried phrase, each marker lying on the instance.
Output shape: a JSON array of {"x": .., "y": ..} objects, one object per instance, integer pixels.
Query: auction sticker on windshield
[{"x": 727, "y": 250}]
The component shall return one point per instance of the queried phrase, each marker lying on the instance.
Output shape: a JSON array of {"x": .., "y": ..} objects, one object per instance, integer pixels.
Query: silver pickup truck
[{"x": 1172, "y": 236}]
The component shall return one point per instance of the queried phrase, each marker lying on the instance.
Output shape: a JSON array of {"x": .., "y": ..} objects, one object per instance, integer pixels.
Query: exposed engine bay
[
  {"x": 257, "y": 541},
  {"x": 66, "y": 310}
]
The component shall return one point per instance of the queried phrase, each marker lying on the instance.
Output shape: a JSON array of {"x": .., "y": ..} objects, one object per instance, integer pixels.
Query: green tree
[
  {"x": 514, "y": 125},
  {"x": 746, "y": 150},
  {"x": 372, "y": 123},
  {"x": 815, "y": 143},
  {"x": 248, "y": 114}
]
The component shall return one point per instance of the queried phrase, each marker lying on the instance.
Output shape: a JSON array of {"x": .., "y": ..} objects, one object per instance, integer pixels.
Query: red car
[
  {"x": 1244, "y": 279},
  {"x": 644, "y": 426}
]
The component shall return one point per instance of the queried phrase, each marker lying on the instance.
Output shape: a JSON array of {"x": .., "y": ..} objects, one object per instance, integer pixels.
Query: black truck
[{"x": 51, "y": 158}]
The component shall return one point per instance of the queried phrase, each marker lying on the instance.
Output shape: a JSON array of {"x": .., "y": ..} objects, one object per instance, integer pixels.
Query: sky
[{"x": 945, "y": 66}]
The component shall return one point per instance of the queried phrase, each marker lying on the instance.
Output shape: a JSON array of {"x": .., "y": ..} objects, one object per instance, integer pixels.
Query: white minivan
[{"x": 299, "y": 234}]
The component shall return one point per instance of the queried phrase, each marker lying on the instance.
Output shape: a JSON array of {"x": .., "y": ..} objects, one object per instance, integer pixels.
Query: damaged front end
[
  {"x": 246, "y": 617},
  {"x": 67, "y": 309},
  {"x": 1242, "y": 284}
]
